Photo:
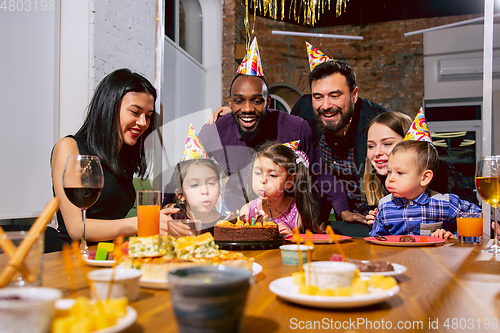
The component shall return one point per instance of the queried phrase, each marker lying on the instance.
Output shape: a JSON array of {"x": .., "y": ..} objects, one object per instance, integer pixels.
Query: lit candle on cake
[{"x": 237, "y": 215}]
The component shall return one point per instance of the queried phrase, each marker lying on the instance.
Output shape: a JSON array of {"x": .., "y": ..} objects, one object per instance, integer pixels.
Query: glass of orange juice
[
  {"x": 148, "y": 213},
  {"x": 470, "y": 228}
]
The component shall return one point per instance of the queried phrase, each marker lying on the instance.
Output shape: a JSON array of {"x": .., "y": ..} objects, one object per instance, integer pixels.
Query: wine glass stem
[
  {"x": 83, "y": 244},
  {"x": 495, "y": 219}
]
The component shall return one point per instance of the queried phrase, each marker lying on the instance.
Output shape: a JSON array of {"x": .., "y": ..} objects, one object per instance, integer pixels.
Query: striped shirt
[
  {"x": 400, "y": 216},
  {"x": 340, "y": 162}
]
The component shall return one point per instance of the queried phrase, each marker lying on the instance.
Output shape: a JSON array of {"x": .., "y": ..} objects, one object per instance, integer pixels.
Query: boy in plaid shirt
[{"x": 411, "y": 208}]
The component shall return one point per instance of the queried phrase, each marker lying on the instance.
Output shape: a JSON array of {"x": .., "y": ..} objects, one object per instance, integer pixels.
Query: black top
[{"x": 117, "y": 196}]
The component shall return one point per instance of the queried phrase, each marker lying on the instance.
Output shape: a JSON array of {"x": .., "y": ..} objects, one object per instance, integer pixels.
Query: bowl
[
  {"x": 125, "y": 284},
  {"x": 290, "y": 254},
  {"x": 27, "y": 309},
  {"x": 330, "y": 274}
]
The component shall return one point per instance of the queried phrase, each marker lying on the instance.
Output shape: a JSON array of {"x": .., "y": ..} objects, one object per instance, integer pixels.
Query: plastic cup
[
  {"x": 33, "y": 260},
  {"x": 194, "y": 227},
  {"x": 470, "y": 228},
  {"x": 148, "y": 213},
  {"x": 209, "y": 299}
]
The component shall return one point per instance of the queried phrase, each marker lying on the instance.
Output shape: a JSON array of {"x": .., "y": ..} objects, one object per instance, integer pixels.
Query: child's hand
[
  {"x": 441, "y": 233},
  {"x": 284, "y": 230},
  {"x": 370, "y": 218}
]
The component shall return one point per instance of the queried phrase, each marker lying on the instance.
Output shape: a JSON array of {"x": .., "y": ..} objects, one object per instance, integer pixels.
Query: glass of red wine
[{"x": 83, "y": 181}]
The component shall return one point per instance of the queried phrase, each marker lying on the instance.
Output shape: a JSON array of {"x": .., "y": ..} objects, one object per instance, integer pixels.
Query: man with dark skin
[{"x": 233, "y": 140}]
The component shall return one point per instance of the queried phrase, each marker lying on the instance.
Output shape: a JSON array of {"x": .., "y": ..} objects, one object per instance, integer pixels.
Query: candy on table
[
  {"x": 107, "y": 246},
  {"x": 101, "y": 254}
]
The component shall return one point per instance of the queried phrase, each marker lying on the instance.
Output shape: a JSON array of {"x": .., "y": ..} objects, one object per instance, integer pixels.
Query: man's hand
[
  {"x": 221, "y": 110},
  {"x": 354, "y": 217}
]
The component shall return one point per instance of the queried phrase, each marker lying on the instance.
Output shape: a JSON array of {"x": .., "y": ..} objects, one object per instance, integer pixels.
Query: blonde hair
[{"x": 372, "y": 186}]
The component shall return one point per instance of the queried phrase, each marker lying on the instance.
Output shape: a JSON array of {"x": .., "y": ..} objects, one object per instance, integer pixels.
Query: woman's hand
[
  {"x": 165, "y": 216},
  {"x": 354, "y": 217},
  {"x": 284, "y": 229},
  {"x": 441, "y": 233},
  {"x": 221, "y": 110},
  {"x": 370, "y": 218}
]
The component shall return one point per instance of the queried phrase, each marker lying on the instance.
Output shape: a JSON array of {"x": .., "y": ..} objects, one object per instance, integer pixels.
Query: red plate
[
  {"x": 394, "y": 241},
  {"x": 319, "y": 238}
]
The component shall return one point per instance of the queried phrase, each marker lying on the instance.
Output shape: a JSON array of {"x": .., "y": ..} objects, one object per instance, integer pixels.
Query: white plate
[
  {"x": 121, "y": 324},
  {"x": 256, "y": 268},
  {"x": 398, "y": 269},
  {"x": 99, "y": 263},
  {"x": 286, "y": 289},
  {"x": 163, "y": 284}
]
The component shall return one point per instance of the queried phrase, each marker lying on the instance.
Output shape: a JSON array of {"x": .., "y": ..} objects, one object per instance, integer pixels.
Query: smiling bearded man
[{"x": 338, "y": 117}]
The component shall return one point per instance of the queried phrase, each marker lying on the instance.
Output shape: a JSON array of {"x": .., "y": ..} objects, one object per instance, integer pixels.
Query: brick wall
[
  {"x": 389, "y": 66},
  {"x": 124, "y": 36}
]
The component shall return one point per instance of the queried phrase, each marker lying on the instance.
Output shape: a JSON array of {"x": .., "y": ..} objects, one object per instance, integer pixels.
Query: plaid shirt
[
  {"x": 340, "y": 162},
  {"x": 400, "y": 216}
]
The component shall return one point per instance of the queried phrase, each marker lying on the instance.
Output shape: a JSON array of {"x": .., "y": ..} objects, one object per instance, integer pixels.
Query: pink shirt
[{"x": 288, "y": 217}]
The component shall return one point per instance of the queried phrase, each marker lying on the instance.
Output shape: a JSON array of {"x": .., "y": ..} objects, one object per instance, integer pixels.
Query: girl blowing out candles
[{"x": 280, "y": 180}]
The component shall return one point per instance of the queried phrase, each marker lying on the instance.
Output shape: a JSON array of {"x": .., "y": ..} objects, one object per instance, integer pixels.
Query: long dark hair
[
  {"x": 101, "y": 126},
  {"x": 285, "y": 157}
]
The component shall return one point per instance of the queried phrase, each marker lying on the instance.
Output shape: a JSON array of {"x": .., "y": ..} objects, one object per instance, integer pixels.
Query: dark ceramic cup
[{"x": 209, "y": 298}]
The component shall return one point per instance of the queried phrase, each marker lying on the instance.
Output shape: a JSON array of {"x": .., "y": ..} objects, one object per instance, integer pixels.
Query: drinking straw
[
  {"x": 117, "y": 254},
  {"x": 309, "y": 242},
  {"x": 331, "y": 233},
  {"x": 78, "y": 254},
  {"x": 36, "y": 229},
  {"x": 68, "y": 266},
  {"x": 296, "y": 238},
  {"x": 10, "y": 249}
]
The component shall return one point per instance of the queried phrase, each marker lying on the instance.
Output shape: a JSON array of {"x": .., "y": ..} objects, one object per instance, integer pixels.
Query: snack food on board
[
  {"x": 242, "y": 231},
  {"x": 181, "y": 253}
]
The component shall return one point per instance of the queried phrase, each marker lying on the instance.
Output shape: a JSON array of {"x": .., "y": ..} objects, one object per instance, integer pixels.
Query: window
[
  {"x": 456, "y": 132},
  {"x": 183, "y": 25}
]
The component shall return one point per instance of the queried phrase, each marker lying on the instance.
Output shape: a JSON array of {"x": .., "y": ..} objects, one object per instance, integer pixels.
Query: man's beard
[
  {"x": 330, "y": 129},
  {"x": 249, "y": 136}
]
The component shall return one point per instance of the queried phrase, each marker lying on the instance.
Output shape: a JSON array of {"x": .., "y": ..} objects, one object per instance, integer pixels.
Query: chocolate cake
[
  {"x": 372, "y": 265},
  {"x": 407, "y": 239},
  {"x": 245, "y": 232}
]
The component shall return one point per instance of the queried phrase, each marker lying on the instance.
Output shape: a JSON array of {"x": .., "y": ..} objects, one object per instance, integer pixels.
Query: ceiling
[{"x": 371, "y": 11}]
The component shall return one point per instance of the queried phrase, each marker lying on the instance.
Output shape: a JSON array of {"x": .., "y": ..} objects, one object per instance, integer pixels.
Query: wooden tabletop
[{"x": 446, "y": 288}]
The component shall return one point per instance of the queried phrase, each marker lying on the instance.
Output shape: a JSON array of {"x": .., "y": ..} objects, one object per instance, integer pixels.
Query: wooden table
[{"x": 445, "y": 286}]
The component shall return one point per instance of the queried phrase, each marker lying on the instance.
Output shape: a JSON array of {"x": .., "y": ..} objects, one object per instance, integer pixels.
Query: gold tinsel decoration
[{"x": 311, "y": 10}]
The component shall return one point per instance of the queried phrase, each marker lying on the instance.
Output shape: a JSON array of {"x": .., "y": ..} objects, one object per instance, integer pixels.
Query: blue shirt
[{"x": 400, "y": 216}]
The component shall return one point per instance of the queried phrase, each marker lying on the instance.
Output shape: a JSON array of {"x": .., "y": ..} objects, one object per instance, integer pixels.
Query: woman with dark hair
[{"x": 120, "y": 116}]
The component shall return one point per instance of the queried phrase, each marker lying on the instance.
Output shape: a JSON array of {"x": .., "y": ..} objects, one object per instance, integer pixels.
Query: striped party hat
[{"x": 251, "y": 64}]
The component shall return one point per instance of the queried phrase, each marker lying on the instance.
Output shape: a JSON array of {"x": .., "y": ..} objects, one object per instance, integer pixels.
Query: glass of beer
[
  {"x": 148, "y": 213},
  {"x": 488, "y": 187},
  {"x": 470, "y": 228}
]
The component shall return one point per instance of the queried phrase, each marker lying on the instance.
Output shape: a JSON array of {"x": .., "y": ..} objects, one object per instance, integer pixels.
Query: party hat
[
  {"x": 301, "y": 156},
  {"x": 294, "y": 145},
  {"x": 251, "y": 65},
  {"x": 315, "y": 56},
  {"x": 418, "y": 130},
  {"x": 193, "y": 149}
]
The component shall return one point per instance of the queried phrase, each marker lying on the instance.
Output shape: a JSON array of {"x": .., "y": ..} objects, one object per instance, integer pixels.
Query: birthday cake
[{"x": 246, "y": 231}]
